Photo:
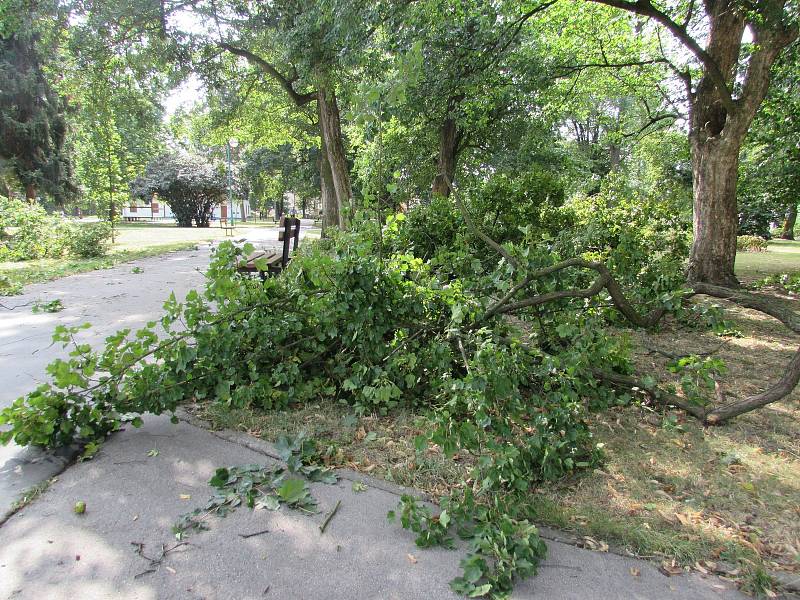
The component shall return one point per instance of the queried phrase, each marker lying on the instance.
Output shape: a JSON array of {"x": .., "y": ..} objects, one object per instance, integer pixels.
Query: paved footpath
[{"x": 47, "y": 551}]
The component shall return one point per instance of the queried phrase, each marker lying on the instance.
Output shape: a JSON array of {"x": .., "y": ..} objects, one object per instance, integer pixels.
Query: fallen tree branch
[
  {"x": 474, "y": 228},
  {"x": 719, "y": 414},
  {"x": 653, "y": 392},
  {"x": 605, "y": 280}
]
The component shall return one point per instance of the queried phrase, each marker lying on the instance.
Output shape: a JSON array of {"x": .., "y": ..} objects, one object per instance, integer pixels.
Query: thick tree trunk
[
  {"x": 789, "y": 223},
  {"x": 30, "y": 193},
  {"x": 722, "y": 106},
  {"x": 331, "y": 134},
  {"x": 330, "y": 207},
  {"x": 715, "y": 164},
  {"x": 449, "y": 138}
]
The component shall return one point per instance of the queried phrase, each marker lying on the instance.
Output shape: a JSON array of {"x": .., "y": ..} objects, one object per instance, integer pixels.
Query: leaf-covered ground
[{"x": 669, "y": 488}]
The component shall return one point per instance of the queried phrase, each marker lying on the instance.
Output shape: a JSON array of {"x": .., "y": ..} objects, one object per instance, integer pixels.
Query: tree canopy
[{"x": 188, "y": 184}]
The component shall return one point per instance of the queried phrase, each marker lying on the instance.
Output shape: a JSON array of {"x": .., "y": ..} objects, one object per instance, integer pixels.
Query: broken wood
[{"x": 329, "y": 517}]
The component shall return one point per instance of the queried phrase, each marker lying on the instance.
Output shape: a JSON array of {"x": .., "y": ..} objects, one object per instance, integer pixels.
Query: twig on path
[
  {"x": 154, "y": 562},
  {"x": 17, "y": 306},
  {"x": 249, "y": 535},
  {"x": 329, "y": 517}
]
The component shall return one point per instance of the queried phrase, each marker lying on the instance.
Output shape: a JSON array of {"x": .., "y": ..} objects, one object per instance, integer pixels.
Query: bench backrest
[{"x": 289, "y": 228}]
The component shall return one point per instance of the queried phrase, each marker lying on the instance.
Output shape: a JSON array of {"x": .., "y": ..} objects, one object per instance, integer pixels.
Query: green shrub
[
  {"x": 643, "y": 239},
  {"x": 751, "y": 243},
  {"x": 89, "y": 240},
  {"x": 27, "y": 232},
  {"x": 506, "y": 206}
]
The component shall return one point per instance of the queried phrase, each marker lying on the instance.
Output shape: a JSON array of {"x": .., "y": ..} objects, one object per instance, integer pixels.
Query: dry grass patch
[
  {"x": 380, "y": 446},
  {"x": 673, "y": 488}
]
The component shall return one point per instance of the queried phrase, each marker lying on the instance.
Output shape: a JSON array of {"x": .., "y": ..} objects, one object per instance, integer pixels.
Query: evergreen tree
[{"x": 32, "y": 124}]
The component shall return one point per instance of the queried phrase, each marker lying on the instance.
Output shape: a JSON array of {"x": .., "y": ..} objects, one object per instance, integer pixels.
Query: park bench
[
  {"x": 268, "y": 262},
  {"x": 227, "y": 226}
]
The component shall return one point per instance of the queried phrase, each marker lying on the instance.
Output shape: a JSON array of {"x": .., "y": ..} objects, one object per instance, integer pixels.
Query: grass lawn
[
  {"x": 133, "y": 241},
  {"x": 782, "y": 256},
  {"x": 136, "y": 236}
]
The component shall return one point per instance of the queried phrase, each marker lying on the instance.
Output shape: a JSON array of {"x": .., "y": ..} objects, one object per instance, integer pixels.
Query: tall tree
[
  {"x": 33, "y": 127},
  {"x": 117, "y": 121},
  {"x": 299, "y": 45},
  {"x": 733, "y": 79},
  {"x": 466, "y": 81}
]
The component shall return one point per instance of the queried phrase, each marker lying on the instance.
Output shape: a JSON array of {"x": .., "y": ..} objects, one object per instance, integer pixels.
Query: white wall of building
[{"x": 159, "y": 211}]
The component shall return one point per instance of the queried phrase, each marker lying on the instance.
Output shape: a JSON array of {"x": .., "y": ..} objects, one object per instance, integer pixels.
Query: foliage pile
[
  {"x": 262, "y": 487},
  {"x": 361, "y": 321},
  {"x": 28, "y": 232}
]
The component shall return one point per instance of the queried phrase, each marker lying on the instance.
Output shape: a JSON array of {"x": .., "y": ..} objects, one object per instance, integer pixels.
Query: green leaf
[
  {"x": 481, "y": 590},
  {"x": 220, "y": 478},
  {"x": 293, "y": 490},
  {"x": 268, "y": 502}
]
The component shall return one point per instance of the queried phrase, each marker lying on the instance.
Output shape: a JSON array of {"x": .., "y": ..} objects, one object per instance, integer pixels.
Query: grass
[
  {"x": 136, "y": 236},
  {"x": 782, "y": 256},
  {"x": 672, "y": 488},
  {"x": 382, "y": 447},
  {"x": 30, "y": 495}
]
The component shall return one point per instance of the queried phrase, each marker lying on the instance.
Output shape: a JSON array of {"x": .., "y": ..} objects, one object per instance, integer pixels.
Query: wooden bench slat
[{"x": 274, "y": 262}]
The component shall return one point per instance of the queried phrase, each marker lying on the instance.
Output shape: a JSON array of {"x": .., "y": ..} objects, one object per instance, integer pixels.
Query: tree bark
[
  {"x": 715, "y": 164},
  {"x": 789, "y": 223},
  {"x": 332, "y": 141},
  {"x": 330, "y": 208},
  {"x": 30, "y": 193},
  {"x": 449, "y": 139}
]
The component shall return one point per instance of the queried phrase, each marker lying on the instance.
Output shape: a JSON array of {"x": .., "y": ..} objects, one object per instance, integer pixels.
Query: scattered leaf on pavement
[{"x": 670, "y": 568}]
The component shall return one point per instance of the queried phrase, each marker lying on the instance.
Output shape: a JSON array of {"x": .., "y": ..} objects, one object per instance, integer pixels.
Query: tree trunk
[
  {"x": 30, "y": 193},
  {"x": 715, "y": 164},
  {"x": 614, "y": 157},
  {"x": 449, "y": 138},
  {"x": 789, "y": 223},
  {"x": 719, "y": 120},
  {"x": 331, "y": 134},
  {"x": 330, "y": 207}
]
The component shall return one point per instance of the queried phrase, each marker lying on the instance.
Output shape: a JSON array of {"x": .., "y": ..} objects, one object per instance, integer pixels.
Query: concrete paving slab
[{"x": 47, "y": 551}]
